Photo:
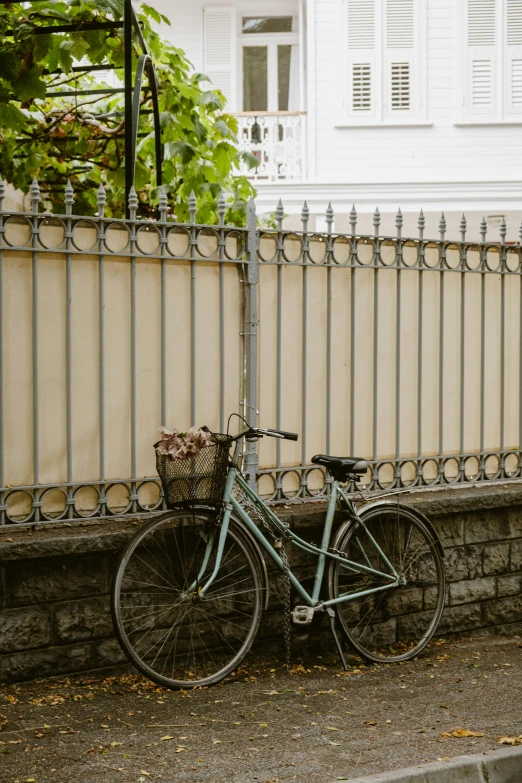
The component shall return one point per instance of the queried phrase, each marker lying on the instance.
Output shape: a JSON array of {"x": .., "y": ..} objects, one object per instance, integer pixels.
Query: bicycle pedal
[{"x": 303, "y": 615}]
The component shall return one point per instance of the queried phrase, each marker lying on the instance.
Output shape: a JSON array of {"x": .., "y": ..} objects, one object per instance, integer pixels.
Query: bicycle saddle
[{"x": 341, "y": 467}]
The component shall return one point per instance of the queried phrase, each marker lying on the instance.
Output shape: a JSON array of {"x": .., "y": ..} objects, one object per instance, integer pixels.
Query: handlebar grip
[{"x": 288, "y": 435}]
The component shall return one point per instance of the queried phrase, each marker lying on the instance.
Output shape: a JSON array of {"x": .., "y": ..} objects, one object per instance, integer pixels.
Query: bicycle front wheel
[
  {"x": 171, "y": 632},
  {"x": 392, "y": 624}
]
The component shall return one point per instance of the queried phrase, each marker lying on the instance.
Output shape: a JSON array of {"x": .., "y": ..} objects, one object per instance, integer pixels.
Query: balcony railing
[{"x": 277, "y": 139}]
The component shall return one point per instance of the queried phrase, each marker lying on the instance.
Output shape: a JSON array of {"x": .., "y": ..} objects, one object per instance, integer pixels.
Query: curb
[{"x": 496, "y": 766}]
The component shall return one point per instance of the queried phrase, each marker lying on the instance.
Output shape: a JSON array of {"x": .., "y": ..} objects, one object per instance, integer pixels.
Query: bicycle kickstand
[{"x": 331, "y": 615}]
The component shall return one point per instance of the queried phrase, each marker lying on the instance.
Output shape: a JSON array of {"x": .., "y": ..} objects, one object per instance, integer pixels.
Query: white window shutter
[
  {"x": 219, "y": 51},
  {"x": 361, "y": 58},
  {"x": 481, "y": 31},
  {"x": 513, "y": 62},
  {"x": 401, "y": 44}
]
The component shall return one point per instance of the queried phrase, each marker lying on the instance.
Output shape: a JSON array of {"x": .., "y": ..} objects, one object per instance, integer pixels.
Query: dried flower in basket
[{"x": 183, "y": 445}]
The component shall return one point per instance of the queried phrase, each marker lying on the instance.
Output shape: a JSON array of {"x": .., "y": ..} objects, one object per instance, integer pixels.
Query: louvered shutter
[
  {"x": 219, "y": 51},
  {"x": 513, "y": 62},
  {"x": 481, "y": 66},
  {"x": 400, "y": 42},
  {"x": 361, "y": 59}
]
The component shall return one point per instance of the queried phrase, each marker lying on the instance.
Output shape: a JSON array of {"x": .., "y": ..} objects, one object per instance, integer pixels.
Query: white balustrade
[{"x": 277, "y": 140}]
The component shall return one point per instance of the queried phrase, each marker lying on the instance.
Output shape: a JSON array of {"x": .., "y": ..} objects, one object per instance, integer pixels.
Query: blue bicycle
[{"x": 191, "y": 585}]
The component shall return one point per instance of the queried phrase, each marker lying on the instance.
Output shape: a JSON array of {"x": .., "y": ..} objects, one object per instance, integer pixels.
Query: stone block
[
  {"x": 450, "y": 530},
  {"x": 460, "y": 618},
  {"x": 108, "y": 653},
  {"x": 516, "y": 556},
  {"x": 514, "y": 516},
  {"x": 405, "y": 601},
  {"x": 496, "y": 558},
  {"x": 487, "y": 525},
  {"x": 3, "y": 588},
  {"x": 22, "y": 629},
  {"x": 502, "y": 610},
  {"x": 88, "y": 619},
  {"x": 509, "y": 585},
  {"x": 469, "y": 590},
  {"x": 45, "y": 663},
  {"x": 39, "y": 581},
  {"x": 463, "y": 562}
]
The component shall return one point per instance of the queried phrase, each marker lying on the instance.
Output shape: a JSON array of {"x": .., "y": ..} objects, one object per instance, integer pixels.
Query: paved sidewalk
[{"x": 317, "y": 724}]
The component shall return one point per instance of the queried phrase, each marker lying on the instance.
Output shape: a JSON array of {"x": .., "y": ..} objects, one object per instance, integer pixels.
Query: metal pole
[{"x": 127, "y": 61}]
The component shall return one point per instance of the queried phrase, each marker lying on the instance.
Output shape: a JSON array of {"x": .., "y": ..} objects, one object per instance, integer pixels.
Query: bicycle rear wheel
[
  {"x": 395, "y": 624},
  {"x": 170, "y": 632}
]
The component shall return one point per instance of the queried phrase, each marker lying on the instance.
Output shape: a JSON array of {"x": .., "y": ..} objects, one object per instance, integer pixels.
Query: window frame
[
  {"x": 502, "y": 112},
  {"x": 382, "y": 115}
]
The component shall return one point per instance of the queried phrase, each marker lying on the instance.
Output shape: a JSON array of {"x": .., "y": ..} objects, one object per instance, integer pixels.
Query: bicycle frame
[{"x": 232, "y": 505}]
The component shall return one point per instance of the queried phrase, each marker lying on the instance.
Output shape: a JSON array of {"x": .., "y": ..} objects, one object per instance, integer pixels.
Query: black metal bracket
[{"x": 132, "y": 89}]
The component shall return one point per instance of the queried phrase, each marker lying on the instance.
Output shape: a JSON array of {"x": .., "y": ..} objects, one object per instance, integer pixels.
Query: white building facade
[{"x": 410, "y": 103}]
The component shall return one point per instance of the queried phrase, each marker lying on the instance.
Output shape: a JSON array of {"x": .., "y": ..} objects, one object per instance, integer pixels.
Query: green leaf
[
  {"x": 211, "y": 100},
  {"x": 11, "y": 118},
  {"x": 29, "y": 84},
  {"x": 250, "y": 159}
]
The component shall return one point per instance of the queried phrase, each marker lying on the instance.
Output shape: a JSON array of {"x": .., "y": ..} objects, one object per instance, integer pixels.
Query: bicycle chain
[{"x": 279, "y": 546}]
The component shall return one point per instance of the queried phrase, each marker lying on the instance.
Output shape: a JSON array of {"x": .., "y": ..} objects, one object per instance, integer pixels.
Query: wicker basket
[{"x": 196, "y": 480}]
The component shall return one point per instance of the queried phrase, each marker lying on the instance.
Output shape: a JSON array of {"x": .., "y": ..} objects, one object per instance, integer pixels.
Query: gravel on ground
[{"x": 315, "y": 724}]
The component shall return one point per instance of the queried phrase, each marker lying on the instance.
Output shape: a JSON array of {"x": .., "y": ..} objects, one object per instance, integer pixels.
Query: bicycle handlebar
[{"x": 260, "y": 431}]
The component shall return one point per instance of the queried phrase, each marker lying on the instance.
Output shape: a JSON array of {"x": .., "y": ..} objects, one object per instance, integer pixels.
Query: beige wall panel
[
  {"x": 148, "y": 363},
  {"x": 233, "y": 345},
  {"x": 178, "y": 344},
  {"x": 117, "y": 368},
  {"x": 430, "y": 362},
  {"x": 18, "y": 391},
  {"x": 267, "y": 402},
  {"x": 472, "y": 374},
  {"x": 492, "y": 364},
  {"x": 340, "y": 385},
  {"x": 363, "y": 363},
  {"x": 513, "y": 378},
  {"x": 85, "y": 368},
  {"x": 51, "y": 367},
  {"x": 207, "y": 346},
  {"x": 451, "y": 363},
  {"x": 409, "y": 361},
  {"x": 291, "y": 323},
  {"x": 316, "y": 362},
  {"x": 387, "y": 305}
]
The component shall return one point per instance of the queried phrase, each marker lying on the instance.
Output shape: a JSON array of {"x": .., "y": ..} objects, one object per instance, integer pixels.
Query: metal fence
[{"x": 404, "y": 351}]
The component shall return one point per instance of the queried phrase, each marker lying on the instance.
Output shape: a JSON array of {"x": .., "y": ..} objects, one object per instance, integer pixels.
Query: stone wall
[{"x": 55, "y": 582}]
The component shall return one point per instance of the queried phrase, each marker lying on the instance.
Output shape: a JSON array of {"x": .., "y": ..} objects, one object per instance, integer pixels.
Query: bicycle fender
[
  {"x": 256, "y": 549},
  {"x": 378, "y": 503}
]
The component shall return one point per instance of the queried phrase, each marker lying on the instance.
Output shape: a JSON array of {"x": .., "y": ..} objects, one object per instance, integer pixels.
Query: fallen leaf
[
  {"x": 332, "y": 728},
  {"x": 510, "y": 740},
  {"x": 369, "y": 723},
  {"x": 3, "y": 721},
  {"x": 167, "y": 737},
  {"x": 458, "y": 732},
  {"x": 180, "y": 749},
  {"x": 271, "y": 693},
  {"x": 333, "y": 743}
]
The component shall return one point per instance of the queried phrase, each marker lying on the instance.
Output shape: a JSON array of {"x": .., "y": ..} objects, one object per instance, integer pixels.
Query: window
[
  {"x": 269, "y": 57},
  {"x": 381, "y": 43},
  {"x": 491, "y": 84}
]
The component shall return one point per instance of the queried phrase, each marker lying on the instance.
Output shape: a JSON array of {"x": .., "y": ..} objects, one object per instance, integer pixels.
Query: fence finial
[
  {"x": 101, "y": 200},
  {"x": 163, "y": 204},
  {"x": 463, "y": 227},
  {"x": 483, "y": 229},
  {"x": 421, "y": 224},
  {"x": 376, "y": 221},
  {"x": 35, "y": 195},
  {"x": 193, "y": 206},
  {"x": 399, "y": 220},
  {"x": 2, "y": 193},
  {"x": 329, "y": 217},
  {"x": 353, "y": 219},
  {"x": 442, "y": 225},
  {"x": 133, "y": 203},
  {"x": 305, "y": 214},
  {"x": 69, "y": 197},
  {"x": 503, "y": 231},
  {"x": 221, "y": 208},
  {"x": 279, "y": 215}
]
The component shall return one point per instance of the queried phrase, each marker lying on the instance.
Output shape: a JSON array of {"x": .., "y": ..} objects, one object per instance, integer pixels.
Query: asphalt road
[{"x": 315, "y": 724}]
